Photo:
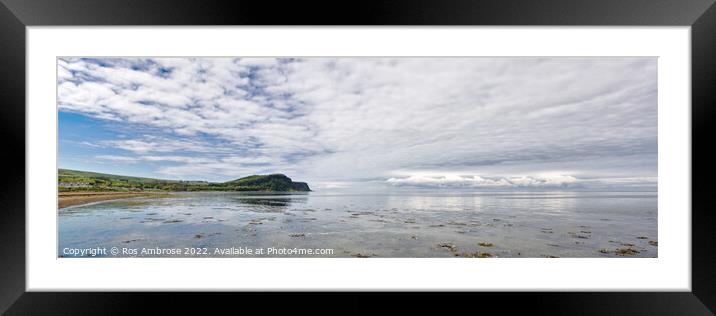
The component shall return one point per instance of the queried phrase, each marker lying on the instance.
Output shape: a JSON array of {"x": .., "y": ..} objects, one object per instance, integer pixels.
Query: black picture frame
[{"x": 15, "y": 15}]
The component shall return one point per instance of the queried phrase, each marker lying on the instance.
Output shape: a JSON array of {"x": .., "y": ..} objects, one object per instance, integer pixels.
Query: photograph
[
  {"x": 551, "y": 153},
  {"x": 357, "y": 157}
]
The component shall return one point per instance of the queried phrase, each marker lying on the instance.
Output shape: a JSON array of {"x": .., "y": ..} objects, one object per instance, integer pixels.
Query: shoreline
[
  {"x": 73, "y": 198},
  {"x": 65, "y": 199}
]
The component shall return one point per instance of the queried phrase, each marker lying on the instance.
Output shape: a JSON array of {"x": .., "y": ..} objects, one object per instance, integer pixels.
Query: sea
[{"x": 326, "y": 224}]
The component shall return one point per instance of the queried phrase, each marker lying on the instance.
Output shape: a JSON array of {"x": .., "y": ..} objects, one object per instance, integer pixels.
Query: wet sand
[{"x": 66, "y": 199}]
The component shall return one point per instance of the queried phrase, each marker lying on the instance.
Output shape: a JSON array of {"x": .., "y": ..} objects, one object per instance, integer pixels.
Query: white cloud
[
  {"x": 124, "y": 159},
  {"x": 154, "y": 144},
  {"x": 475, "y": 181},
  {"x": 554, "y": 181},
  {"x": 346, "y": 119}
]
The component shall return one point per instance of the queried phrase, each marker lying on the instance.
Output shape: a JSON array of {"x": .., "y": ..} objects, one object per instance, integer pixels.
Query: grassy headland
[
  {"x": 79, "y": 187},
  {"x": 74, "y": 180}
]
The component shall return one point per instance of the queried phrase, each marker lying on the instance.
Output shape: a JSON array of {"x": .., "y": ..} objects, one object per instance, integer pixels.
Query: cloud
[
  {"x": 153, "y": 144},
  {"x": 124, "y": 159},
  {"x": 473, "y": 181},
  {"x": 351, "y": 119},
  {"x": 515, "y": 182}
]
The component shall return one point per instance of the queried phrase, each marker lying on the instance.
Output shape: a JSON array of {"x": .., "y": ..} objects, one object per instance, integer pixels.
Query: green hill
[
  {"x": 74, "y": 180},
  {"x": 272, "y": 182}
]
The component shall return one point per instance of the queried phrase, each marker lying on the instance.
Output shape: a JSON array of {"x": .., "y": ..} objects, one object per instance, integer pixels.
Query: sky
[{"x": 475, "y": 123}]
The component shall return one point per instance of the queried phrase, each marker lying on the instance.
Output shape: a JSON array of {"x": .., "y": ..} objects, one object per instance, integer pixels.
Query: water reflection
[{"x": 265, "y": 201}]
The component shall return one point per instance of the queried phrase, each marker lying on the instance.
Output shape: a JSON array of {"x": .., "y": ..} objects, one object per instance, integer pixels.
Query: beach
[{"x": 65, "y": 199}]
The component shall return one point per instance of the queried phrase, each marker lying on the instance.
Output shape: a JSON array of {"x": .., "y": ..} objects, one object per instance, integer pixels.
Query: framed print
[{"x": 403, "y": 147}]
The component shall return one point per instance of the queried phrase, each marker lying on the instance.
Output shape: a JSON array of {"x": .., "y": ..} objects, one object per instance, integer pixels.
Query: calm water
[{"x": 543, "y": 224}]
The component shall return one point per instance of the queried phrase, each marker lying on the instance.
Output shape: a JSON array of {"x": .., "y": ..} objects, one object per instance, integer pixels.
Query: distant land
[{"x": 81, "y": 181}]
